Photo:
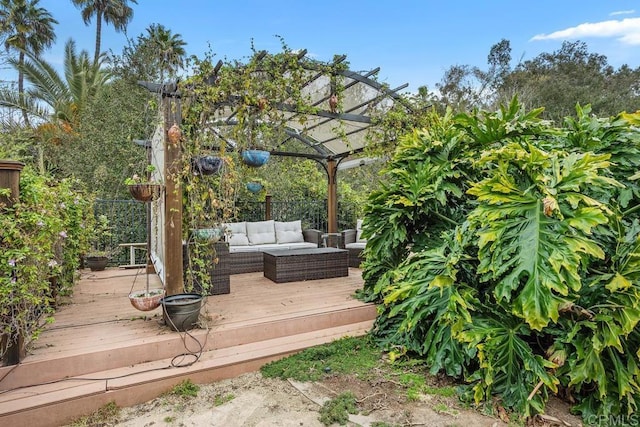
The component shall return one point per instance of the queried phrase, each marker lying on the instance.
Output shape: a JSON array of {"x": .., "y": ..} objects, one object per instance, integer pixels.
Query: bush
[{"x": 504, "y": 251}]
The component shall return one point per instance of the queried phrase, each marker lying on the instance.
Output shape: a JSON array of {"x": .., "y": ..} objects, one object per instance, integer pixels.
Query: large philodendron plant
[{"x": 502, "y": 253}]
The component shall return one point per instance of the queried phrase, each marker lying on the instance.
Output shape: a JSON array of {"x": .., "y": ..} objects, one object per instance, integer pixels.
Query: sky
[{"x": 412, "y": 41}]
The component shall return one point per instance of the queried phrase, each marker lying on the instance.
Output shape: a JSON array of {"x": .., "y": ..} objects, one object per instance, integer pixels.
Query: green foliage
[
  {"x": 186, "y": 389},
  {"x": 337, "y": 410},
  {"x": 500, "y": 254},
  {"x": 43, "y": 237},
  {"x": 107, "y": 415},
  {"x": 355, "y": 355}
]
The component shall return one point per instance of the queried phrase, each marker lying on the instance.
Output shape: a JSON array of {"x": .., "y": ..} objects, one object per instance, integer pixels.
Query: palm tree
[
  {"x": 52, "y": 95},
  {"x": 115, "y": 12},
  {"x": 25, "y": 28},
  {"x": 167, "y": 48}
]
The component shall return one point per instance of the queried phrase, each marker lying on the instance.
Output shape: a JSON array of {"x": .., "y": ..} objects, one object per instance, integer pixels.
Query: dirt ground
[{"x": 252, "y": 400}]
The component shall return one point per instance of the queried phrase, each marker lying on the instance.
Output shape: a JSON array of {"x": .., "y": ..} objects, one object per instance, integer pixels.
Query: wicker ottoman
[{"x": 305, "y": 264}]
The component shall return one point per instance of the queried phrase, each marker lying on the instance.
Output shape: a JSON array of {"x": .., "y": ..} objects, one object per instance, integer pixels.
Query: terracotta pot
[
  {"x": 145, "y": 192},
  {"x": 174, "y": 134}
]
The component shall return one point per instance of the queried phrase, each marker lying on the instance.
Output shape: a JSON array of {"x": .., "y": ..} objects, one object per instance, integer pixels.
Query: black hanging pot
[
  {"x": 206, "y": 165},
  {"x": 181, "y": 311}
]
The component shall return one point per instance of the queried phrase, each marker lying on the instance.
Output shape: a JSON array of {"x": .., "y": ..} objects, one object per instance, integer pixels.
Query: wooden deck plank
[{"x": 98, "y": 330}]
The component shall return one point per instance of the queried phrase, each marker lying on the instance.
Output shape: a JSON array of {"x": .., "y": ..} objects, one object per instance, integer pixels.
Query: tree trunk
[
  {"x": 25, "y": 116},
  {"x": 98, "y": 36}
]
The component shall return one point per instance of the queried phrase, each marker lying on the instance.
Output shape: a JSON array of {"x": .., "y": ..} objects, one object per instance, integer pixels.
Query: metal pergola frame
[{"x": 362, "y": 95}]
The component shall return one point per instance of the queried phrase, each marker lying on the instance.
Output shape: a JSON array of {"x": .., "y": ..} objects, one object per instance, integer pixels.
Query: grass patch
[
  {"x": 107, "y": 415},
  {"x": 186, "y": 389},
  {"x": 350, "y": 355},
  {"x": 219, "y": 399},
  {"x": 337, "y": 410}
]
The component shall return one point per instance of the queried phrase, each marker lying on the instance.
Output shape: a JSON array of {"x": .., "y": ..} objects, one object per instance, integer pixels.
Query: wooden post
[
  {"x": 174, "y": 282},
  {"x": 10, "y": 178},
  {"x": 267, "y": 207},
  {"x": 332, "y": 196}
]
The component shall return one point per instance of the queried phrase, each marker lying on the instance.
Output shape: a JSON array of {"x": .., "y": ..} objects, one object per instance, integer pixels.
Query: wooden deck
[{"x": 101, "y": 349}]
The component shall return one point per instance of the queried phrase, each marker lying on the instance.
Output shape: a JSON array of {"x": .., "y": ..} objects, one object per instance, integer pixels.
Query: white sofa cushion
[
  {"x": 238, "y": 234},
  {"x": 271, "y": 247},
  {"x": 357, "y": 245},
  {"x": 359, "y": 238},
  {"x": 289, "y": 232},
  {"x": 261, "y": 232}
]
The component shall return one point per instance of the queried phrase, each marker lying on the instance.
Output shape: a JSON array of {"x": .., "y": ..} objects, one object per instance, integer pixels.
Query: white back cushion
[
  {"x": 261, "y": 232},
  {"x": 289, "y": 232},
  {"x": 359, "y": 232},
  {"x": 238, "y": 234}
]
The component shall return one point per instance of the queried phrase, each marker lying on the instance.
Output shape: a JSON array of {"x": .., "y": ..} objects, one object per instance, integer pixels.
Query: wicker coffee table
[{"x": 305, "y": 264}]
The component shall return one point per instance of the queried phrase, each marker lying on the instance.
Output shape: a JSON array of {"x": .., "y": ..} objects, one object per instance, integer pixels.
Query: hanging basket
[
  {"x": 255, "y": 158},
  {"x": 145, "y": 192},
  {"x": 206, "y": 165},
  {"x": 146, "y": 300},
  {"x": 254, "y": 187}
]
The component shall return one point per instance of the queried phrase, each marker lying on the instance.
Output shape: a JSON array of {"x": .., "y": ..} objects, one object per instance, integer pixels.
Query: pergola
[{"x": 330, "y": 132}]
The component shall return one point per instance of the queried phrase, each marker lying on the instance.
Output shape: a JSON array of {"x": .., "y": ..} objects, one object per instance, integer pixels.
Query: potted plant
[
  {"x": 144, "y": 189},
  {"x": 100, "y": 253}
]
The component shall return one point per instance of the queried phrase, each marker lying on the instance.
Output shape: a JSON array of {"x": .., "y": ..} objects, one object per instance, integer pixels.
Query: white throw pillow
[
  {"x": 359, "y": 238},
  {"x": 238, "y": 234},
  {"x": 289, "y": 232},
  {"x": 261, "y": 232}
]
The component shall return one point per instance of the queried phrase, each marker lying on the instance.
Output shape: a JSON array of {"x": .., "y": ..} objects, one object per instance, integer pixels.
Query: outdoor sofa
[
  {"x": 352, "y": 241},
  {"x": 247, "y": 240}
]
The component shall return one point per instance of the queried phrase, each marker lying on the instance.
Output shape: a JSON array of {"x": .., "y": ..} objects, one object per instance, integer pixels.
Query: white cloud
[
  {"x": 626, "y": 31},
  {"x": 623, "y": 12}
]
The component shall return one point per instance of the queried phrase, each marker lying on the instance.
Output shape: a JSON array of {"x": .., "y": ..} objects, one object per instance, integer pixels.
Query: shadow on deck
[{"x": 100, "y": 349}]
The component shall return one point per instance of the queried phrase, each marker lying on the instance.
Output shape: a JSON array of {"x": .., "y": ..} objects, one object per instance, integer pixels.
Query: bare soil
[{"x": 252, "y": 400}]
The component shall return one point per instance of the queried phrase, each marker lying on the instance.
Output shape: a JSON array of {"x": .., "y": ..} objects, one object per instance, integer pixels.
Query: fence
[{"x": 128, "y": 218}]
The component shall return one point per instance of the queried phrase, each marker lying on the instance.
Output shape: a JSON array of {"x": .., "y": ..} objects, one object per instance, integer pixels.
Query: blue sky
[{"x": 412, "y": 41}]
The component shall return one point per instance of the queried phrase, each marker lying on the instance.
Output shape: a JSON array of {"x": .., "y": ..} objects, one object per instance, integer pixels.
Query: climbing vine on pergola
[{"x": 272, "y": 101}]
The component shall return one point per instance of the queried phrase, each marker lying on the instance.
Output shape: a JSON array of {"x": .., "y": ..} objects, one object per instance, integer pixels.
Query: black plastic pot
[
  {"x": 96, "y": 263},
  {"x": 181, "y": 311}
]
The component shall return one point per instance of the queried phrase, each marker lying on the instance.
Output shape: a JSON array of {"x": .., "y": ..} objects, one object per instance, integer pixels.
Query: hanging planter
[
  {"x": 254, "y": 186},
  {"x": 146, "y": 300},
  {"x": 206, "y": 165},
  {"x": 145, "y": 192},
  {"x": 255, "y": 158},
  {"x": 174, "y": 134}
]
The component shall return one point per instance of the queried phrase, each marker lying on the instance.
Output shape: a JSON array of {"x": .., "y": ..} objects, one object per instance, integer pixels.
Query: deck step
[
  {"x": 166, "y": 344},
  {"x": 59, "y": 402}
]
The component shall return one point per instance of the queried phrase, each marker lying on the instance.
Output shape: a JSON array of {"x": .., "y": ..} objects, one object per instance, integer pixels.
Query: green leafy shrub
[
  {"x": 504, "y": 250},
  {"x": 43, "y": 237},
  {"x": 337, "y": 410}
]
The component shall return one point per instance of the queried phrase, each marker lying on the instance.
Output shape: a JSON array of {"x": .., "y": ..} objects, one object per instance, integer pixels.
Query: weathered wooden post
[
  {"x": 174, "y": 281},
  {"x": 267, "y": 207},
  {"x": 10, "y": 178}
]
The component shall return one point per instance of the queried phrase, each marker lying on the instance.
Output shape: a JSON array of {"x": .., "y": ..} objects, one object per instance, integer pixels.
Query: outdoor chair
[{"x": 355, "y": 244}]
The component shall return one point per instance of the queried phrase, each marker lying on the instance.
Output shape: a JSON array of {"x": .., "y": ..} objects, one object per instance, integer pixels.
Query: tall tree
[
  {"x": 168, "y": 48},
  {"x": 52, "y": 95},
  {"x": 25, "y": 27},
  {"x": 115, "y": 12}
]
